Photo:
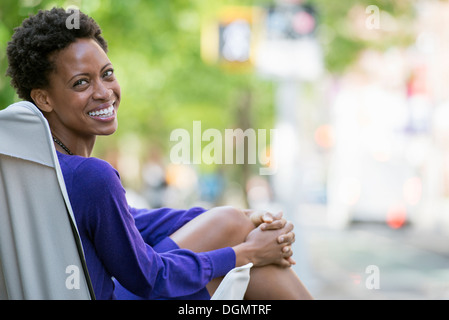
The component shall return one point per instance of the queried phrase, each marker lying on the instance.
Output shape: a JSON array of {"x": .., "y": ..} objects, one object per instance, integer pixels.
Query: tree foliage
[{"x": 155, "y": 48}]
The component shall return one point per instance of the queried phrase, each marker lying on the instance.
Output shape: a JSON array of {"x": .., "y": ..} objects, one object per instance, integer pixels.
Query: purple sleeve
[
  {"x": 123, "y": 251},
  {"x": 157, "y": 224}
]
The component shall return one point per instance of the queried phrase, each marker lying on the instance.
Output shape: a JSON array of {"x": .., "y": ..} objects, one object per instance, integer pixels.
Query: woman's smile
[{"x": 104, "y": 112}]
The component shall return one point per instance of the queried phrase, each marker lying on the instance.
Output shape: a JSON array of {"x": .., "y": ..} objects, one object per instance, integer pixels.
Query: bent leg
[
  {"x": 226, "y": 227},
  {"x": 214, "y": 229},
  {"x": 217, "y": 228},
  {"x": 276, "y": 283}
]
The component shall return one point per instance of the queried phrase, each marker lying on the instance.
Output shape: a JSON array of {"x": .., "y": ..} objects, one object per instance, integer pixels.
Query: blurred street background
[{"x": 357, "y": 92}]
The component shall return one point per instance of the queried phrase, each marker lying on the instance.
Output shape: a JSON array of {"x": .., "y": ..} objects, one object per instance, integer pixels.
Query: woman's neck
[{"x": 74, "y": 146}]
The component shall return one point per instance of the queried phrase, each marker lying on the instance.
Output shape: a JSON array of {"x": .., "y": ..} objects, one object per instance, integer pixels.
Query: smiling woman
[{"x": 135, "y": 253}]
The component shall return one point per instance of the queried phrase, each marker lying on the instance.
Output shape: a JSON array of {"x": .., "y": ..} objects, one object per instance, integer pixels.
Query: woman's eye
[
  {"x": 108, "y": 73},
  {"x": 79, "y": 82}
]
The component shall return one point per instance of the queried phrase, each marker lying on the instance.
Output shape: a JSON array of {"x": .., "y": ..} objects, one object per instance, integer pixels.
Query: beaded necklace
[{"x": 63, "y": 146}]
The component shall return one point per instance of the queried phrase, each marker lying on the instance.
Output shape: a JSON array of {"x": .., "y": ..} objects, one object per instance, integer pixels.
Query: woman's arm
[{"x": 121, "y": 248}]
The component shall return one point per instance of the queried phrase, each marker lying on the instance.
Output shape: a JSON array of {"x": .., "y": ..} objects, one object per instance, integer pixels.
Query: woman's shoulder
[{"x": 90, "y": 168}]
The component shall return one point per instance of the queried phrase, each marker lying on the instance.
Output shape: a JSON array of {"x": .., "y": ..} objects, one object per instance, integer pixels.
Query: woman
[{"x": 152, "y": 254}]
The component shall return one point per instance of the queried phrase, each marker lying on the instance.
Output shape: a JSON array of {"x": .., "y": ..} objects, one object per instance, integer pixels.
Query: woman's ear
[{"x": 41, "y": 99}]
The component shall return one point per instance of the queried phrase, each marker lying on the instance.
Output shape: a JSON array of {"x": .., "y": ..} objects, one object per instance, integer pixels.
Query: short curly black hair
[{"x": 32, "y": 44}]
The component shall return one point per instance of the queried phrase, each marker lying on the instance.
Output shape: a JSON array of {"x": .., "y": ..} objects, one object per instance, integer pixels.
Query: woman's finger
[
  {"x": 291, "y": 261},
  {"x": 267, "y": 217},
  {"x": 277, "y": 224},
  {"x": 287, "y": 250},
  {"x": 287, "y": 238}
]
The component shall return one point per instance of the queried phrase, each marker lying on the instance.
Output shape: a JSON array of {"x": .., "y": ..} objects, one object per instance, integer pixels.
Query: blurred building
[{"x": 390, "y": 124}]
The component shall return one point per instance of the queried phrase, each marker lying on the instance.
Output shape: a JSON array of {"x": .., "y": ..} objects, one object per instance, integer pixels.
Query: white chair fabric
[{"x": 41, "y": 255}]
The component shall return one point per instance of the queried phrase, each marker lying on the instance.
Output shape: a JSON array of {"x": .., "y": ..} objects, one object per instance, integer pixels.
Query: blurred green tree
[{"x": 155, "y": 48}]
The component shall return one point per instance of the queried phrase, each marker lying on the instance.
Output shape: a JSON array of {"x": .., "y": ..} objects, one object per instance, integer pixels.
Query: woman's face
[{"x": 83, "y": 94}]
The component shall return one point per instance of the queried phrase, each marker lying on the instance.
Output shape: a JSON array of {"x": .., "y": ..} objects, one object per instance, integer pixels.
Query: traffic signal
[{"x": 229, "y": 39}]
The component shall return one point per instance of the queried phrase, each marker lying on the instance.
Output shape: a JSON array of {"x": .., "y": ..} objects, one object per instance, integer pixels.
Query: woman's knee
[
  {"x": 232, "y": 221},
  {"x": 217, "y": 228}
]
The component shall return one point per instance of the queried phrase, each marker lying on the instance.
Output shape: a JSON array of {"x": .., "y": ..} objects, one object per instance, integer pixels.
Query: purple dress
[{"x": 128, "y": 251}]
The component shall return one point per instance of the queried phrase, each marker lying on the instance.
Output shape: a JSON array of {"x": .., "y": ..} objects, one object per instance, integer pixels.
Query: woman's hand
[
  {"x": 270, "y": 246},
  {"x": 266, "y": 220},
  {"x": 269, "y": 221}
]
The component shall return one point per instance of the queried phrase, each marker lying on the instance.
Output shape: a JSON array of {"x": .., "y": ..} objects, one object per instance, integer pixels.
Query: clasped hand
[{"x": 274, "y": 233}]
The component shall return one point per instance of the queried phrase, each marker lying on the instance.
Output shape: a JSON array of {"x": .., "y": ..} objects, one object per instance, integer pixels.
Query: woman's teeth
[{"x": 108, "y": 112}]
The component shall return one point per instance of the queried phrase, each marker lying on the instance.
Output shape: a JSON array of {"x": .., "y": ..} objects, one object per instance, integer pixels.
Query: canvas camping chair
[{"x": 41, "y": 255}]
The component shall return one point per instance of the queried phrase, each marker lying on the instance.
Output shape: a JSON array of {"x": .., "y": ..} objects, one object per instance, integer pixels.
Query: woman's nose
[{"x": 101, "y": 91}]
